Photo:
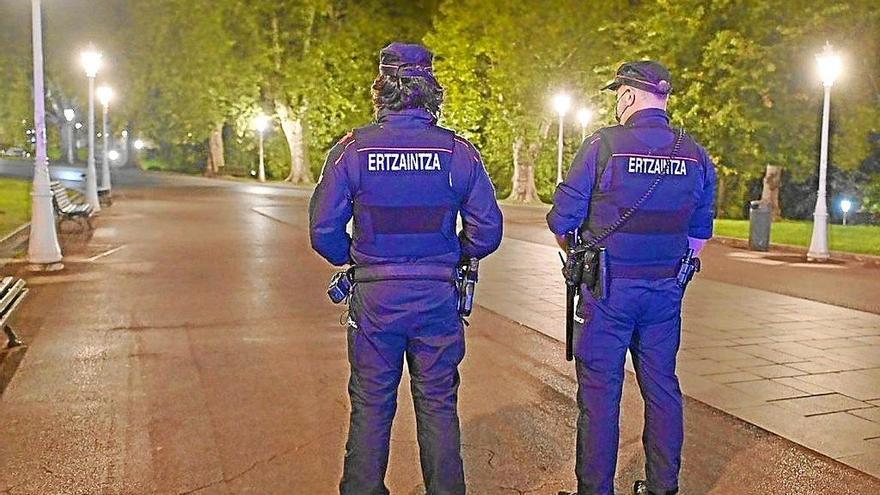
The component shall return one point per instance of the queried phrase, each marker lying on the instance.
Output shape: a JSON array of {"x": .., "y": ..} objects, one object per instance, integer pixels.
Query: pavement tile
[
  {"x": 752, "y": 340},
  {"x": 721, "y": 353},
  {"x": 823, "y": 365},
  {"x": 807, "y": 387},
  {"x": 851, "y": 383},
  {"x": 774, "y": 371},
  {"x": 834, "y": 343},
  {"x": 724, "y": 397},
  {"x": 704, "y": 366},
  {"x": 871, "y": 414},
  {"x": 821, "y": 404},
  {"x": 734, "y": 377},
  {"x": 797, "y": 349},
  {"x": 771, "y": 355},
  {"x": 767, "y": 389},
  {"x": 748, "y": 362}
]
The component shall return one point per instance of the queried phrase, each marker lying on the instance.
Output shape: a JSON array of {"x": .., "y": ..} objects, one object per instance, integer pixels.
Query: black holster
[{"x": 588, "y": 266}]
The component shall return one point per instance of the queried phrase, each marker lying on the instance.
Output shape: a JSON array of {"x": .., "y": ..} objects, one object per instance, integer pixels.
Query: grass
[
  {"x": 15, "y": 204},
  {"x": 863, "y": 239}
]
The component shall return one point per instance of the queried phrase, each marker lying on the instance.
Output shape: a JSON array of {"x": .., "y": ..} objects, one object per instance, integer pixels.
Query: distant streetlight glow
[
  {"x": 91, "y": 61},
  {"x": 261, "y": 123},
  {"x": 830, "y": 66},
  {"x": 584, "y": 117},
  {"x": 105, "y": 94},
  {"x": 78, "y": 125},
  {"x": 113, "y": 155},
  {"x": 69, "y": 114},
  {"x": 138, "y": 144},
  {"x": 845, "y": 206},
  {"x": 561, "y": 103}
]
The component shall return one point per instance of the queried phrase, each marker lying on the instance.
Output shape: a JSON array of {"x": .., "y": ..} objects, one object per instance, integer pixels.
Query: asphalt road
[{"x": 188, "y": 347}]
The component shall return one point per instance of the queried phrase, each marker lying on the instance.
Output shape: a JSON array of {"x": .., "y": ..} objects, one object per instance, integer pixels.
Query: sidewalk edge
[{"x": 790, "y": 248}]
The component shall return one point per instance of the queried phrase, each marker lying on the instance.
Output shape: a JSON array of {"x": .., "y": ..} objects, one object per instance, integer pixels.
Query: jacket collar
[
  {"x": 648, "y": 116},
  {"x": 407, "y": 115}
]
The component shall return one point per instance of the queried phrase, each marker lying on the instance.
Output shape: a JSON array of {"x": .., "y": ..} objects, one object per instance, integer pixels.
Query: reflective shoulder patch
[
  {"x": 654, "y": 165},
  {"x": 403, "y": 159}
]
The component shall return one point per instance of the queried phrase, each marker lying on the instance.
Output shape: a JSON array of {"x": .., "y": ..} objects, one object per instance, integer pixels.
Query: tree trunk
[
  {"x": 770, "y": 190},
  {"x": 215, "y": 152},
  {"x": 293, "y": 127},
  {"x": 523, "y": 190},
  {"x": 721, "y": 196}
]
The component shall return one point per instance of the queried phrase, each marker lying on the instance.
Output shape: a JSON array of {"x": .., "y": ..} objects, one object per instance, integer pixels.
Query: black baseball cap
[
  {"x": 645, "y": 74},
  {"x": 406, "y": 60}
]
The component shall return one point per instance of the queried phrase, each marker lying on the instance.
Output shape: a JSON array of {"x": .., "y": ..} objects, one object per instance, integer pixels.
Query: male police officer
[
  {"x": 613, "y": 171},
  {"x": 405, "y": 181}
]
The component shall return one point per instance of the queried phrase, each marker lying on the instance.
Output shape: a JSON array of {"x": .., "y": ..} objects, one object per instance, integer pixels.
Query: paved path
[
  {"x": 805, "y": 370},
  {"x": 188, "y": 348}
]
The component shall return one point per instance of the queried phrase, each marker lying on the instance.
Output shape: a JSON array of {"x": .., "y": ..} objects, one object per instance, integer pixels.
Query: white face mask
[{"x": 618, "y": 112}]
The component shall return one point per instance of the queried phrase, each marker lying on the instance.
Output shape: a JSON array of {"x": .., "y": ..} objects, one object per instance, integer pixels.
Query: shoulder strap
[
  {"x": 625, "y": 217},
  {"x": 605, "y": 150}
]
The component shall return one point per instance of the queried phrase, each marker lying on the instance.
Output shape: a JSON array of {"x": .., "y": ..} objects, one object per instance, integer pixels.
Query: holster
[{"x": 588, "y": 266}]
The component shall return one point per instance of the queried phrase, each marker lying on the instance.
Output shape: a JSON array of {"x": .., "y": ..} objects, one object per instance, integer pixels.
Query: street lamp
[
  {"x": 44, "y": 253},
  {"x": 584, "y": 117},
  {"x": 91, "y": 61},
  {"x": 561, "y": 104},
  {"x": 105, "y": 94},
  {"x": 261, "y": 123},
  {"x": 138, "y": 144},
  {"x": 69, "y": 115},
  {"x": 829, "y": 68},
  {"x": 845, "y": 206}
]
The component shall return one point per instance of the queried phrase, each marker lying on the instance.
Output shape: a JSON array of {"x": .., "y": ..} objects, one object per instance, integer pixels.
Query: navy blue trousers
[
  {"x": 643, "y": 316},
  {"x": 415, "y": 321}
]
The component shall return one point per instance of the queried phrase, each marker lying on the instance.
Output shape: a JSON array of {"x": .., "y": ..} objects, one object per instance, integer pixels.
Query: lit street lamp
[
  {"x": 138, "y": 144},
  {"x": 561, "y": 104},
  {"x": 584, "y": 117},
  {"x": 44, "y": 253},
  {"x": 845, "y": 206},
  {"x": 91, "y": 61},
  {"x": 261, "y": 123},
  {"x": 829, "y": 68},
  {"x": 69, "y": 115},
  {"x": 105, "y": 94}
]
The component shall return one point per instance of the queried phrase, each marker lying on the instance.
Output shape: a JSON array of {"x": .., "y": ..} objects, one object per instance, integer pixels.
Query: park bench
[
  {"x": 12, "y": 292},
  {"x": 67, "y": 209}
]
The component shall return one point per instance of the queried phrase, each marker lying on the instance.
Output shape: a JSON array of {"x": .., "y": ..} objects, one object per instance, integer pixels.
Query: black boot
[{"x": 640, "y": 487}]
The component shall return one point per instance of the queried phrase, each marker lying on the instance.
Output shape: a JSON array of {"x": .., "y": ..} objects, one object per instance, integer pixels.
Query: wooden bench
[
  {"x": 67, "y": 209},
  {"x": 12, "y": 292}
]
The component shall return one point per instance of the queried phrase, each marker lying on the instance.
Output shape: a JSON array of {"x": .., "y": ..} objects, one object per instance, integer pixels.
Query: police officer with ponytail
[
  {"x": 644, "y": 193},
  {"x": 405, "y": 182}
]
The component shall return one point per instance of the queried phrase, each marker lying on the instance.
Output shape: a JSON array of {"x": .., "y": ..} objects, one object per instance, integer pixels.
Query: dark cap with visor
[
  {"x": 647, "y": 75},
  {"x": 406, "y": 60}
]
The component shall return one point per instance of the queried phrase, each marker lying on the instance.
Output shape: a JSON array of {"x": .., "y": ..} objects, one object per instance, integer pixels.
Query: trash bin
[{"x": 760, "y": 217}]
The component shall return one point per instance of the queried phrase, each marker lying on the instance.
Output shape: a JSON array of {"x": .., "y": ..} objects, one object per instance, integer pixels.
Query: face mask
[{"x": 618, "y": 113}]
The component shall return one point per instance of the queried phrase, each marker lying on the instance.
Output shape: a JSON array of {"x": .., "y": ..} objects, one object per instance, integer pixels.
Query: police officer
[
  {"x": 405, "y": 181},
  {"x": 641, "y": 312}
]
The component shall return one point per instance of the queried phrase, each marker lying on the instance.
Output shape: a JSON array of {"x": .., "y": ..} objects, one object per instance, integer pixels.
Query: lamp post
[
  {"x": 561, "y": 104},
  {"x": 261, "y": 123},
  {"x": 91, "y": 61},
  {"x": 845, "y": 206},
  {"x": 69, "y": 115},
  {"x": 584, "y": 117},
  {"x": 829, "y": 68},
  {"x": 44, "y": 253},
  {"x": 105, "y": 94}
]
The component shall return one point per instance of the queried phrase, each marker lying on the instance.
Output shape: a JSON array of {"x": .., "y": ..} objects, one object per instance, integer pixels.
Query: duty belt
[
  {"x": 645, "y": 272},
  {"x": 403, "y": 271}
]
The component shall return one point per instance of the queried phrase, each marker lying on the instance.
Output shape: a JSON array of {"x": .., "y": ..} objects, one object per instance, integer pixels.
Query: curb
[
  {"x": 867, "y": 259},
  {"x": 15, "y": 240}
]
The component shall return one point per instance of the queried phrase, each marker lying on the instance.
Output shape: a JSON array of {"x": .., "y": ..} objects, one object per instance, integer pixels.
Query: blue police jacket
[
  {"x": 405, "y": 181},
  {"x": 653, "y": 241}
]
